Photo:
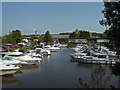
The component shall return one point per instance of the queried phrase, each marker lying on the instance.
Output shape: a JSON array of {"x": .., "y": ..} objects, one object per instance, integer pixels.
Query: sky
[
  {"x": 0, "y": 18},
  {"x": 56, "y": 17}
]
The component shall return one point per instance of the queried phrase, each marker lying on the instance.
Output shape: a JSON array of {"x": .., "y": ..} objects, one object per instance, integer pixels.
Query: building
[
  {"x": 103, "y": 40},
  {"x": 57, "y": 36},
  {"x": 95, "y": 35},
  {"x": 78, "y": 40},
  {"x": 25, "y": 40}
]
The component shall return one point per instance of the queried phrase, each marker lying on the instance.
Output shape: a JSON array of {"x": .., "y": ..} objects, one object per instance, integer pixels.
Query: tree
[
  {"x": 84, "y": 34},
  {"x": 77, "y": 33},
  {"x": 80, "y": 34},
  {"x": 65, "y": 33},
  {"x": 13, "y": 37},
  {"x": 48, "y": 38},
  {"x": 112, "y": 19},
  {"x": 40, "y": 39},
  {"x": 16, "y": 36},
  {"x": 103, "y": 22}
]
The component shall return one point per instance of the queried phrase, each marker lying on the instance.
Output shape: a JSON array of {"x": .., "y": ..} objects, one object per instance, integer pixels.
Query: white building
[
  {"x": 103, "y": 40},
  {"x": 22, "y": 43},
  {"x": 25, "y": 40}
]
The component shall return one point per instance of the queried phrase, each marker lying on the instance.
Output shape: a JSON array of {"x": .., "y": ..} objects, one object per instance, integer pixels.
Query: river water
[{"x": 57, "y": 71}]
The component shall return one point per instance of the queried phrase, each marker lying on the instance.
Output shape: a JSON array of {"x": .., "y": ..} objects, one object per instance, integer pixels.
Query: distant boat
[
  {"x": 98, "y": 59},
  {"x": 95, "y": 55},
  {"x": 43, "y": 51},
  {"x": 51, "y": 48},
  {"x": 62, "y": 45}
]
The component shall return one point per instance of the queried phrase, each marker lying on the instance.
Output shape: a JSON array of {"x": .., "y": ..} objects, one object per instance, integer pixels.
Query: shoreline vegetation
[
  {"x": 15, "y": 37},
  {"x": 111, "y": 22}
]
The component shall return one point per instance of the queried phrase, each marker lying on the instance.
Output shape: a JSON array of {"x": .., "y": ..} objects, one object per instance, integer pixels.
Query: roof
[
  {"x": 8, "y": 44},
  {"x": 103, "y": 40},
  {"x": 59, "y": 36}
]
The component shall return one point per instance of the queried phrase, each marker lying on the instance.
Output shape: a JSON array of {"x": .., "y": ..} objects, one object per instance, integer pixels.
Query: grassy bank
[
  {"x": 26, "y": 48},
  {"x": 71, "y": 45}
]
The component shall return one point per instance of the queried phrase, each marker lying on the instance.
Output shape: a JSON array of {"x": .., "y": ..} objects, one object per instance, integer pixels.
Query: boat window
[
  {"x": 16, "y": 55},
  {"x": 89, "y": 57},
  {"x": 2, "y": 55},
  {"x": 46, "y": 47},
  {"x": 95, "y": 55},
  {"x": 101, "y": 56}
]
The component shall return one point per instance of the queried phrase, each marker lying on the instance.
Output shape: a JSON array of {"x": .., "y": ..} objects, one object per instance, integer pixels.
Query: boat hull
[{"x": 7, "y": 72}]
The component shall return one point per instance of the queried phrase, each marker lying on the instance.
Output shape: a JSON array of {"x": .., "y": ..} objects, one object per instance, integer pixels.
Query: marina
[
  {"x": 101, "y": 55},
  {"x": 56, "y": 71},
  {"x": 60, "y": 44}
]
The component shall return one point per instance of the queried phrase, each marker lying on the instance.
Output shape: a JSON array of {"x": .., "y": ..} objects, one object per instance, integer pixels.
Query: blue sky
[{"x": 55, "y": 17}]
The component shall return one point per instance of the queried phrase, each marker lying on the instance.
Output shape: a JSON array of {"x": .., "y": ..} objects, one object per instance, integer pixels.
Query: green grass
[
  {"x": 28, "y": 47},
  {"x": 71, "y": 45},
  {"x": 65, "y": 43}
]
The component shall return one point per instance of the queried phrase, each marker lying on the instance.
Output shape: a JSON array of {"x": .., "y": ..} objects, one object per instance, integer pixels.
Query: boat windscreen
[
  {"x": 102, "y": 56},
  {"x": 16, "y": 55},
  {"x": 95, "y": 55}
]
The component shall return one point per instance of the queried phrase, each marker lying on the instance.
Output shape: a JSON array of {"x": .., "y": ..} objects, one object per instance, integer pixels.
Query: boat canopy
[
  {"x": 7, "y": 59},
  {"x": 24, "y": 51}
]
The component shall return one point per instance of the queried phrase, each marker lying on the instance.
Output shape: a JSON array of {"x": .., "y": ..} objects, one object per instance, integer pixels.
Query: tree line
[
  {"x": 77, "y": 34},
  {"x": 15, "y": 37}
]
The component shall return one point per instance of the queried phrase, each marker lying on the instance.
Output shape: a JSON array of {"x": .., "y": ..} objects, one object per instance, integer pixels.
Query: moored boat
[{"x": 8, "y": 69}]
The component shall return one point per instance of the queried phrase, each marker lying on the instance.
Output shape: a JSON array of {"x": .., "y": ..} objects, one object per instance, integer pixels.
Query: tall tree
[
  {"x": 13, "y": 37},
  {"x": 84, "y": 34},
  {"x": 77, "y": 33},
  {"x": 48, "y": 38},
  {"x": 112, "y": 19}
]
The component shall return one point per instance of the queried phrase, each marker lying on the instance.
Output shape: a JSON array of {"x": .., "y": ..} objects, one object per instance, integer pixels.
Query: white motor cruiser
[
  {"x": 43, "y": 51},
  {"x": 51, "y": 48},
  {"x": 34, "y": 53},
  {"x": 8, "y": 69},
  {"x": 99, "y": 59},
  {"x": 23, "y": 57},
  {"x": 11, "y": 61}
]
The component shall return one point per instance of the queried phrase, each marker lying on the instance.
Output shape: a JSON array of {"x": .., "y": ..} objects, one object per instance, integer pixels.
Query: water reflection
[
  {"x": 116, "y": 69},
  {"x": 116, "y": 72},
  {"x": 9, "y": 80},
  {"x": 28, "y": 68},
  {"x": 100, "y": 78},
  {"x": 48, "y": 57},
  {"x": 56, "y": 71}
]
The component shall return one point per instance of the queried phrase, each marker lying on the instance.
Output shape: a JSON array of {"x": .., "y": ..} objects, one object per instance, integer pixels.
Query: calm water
[{"x": 57, "y": 71}]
